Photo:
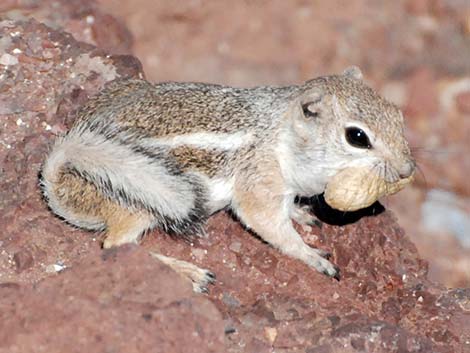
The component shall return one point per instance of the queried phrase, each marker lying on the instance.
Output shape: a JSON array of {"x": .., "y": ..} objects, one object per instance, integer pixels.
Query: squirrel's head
[{"x": 352, "y": 126}]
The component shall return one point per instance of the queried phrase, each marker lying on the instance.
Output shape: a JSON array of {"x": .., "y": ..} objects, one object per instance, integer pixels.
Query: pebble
[
  {"x": 270, "y": 333},
  {"x": 8, "y": 60}
]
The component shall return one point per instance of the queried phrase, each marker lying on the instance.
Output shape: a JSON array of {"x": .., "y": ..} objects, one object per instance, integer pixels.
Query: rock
[
  {"x": 52, "y": 78},
  {"x": 463, "y": 102},
  {"x": 422, "y": 94},
  {"x": 7, "y": 60},
  {"x": 417, "y": 7},
  {"x": 121, "y": 302},
  {"x": 83, "y": 19},
  {"x": 383, "y": 300},
  {"x": 23, "y": 260}
]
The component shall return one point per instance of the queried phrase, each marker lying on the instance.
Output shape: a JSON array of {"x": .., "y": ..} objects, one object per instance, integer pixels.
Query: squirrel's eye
[{"x": 357, "y": 138}]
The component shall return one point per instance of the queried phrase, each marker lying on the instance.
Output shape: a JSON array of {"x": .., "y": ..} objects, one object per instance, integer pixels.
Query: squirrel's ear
[
  {"x": 311, "y": 104},
  {"x": 353, "y": 72}
]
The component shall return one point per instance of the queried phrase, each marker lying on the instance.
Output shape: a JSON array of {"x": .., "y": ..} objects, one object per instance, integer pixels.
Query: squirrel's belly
[{"x": 220, "y": 193}]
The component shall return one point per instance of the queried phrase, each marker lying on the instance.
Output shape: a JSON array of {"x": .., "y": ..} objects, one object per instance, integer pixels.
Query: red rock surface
[
  {"x": 383, "y": 303},
  {"x": 53, "y": 75},
  {"x": 121, "y": 301},
  {"x": 83, "y": 19},
  {"x": 59, "y": 292}
]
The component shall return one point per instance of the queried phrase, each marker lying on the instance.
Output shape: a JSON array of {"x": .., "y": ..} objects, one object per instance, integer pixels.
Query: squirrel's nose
[{"x": 407, "y": 169}]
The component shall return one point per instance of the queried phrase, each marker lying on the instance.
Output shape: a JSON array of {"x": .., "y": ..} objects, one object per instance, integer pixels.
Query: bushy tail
[{"x": 134, "y": 176}]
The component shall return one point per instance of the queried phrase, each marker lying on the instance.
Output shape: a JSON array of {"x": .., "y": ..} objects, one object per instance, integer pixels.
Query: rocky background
[{"x": 59, "y": 292}]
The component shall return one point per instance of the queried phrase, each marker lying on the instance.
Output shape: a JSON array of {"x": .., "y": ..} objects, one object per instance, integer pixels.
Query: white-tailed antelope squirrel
[{"x": 169, "y": 155}]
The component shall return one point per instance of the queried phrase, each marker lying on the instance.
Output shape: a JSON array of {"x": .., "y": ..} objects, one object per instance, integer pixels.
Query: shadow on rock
[{"x": 332, "y": 216}]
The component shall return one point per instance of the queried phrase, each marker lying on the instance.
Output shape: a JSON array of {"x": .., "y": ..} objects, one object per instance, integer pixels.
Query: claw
[
  {"x": 200, "y": 277},
  {"x": 337, "y": 276},
  {"x": 316, "y": 222},
  {"x": 230, "y": 330},
  {"x": 211, "y": 277}
]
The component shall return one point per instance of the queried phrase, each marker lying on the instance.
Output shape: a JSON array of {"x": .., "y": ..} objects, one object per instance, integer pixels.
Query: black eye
[{"x": 357, "y": 138}]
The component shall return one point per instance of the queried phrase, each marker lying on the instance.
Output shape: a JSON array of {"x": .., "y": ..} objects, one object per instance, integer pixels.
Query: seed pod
[{"x": 354, "y": 188}]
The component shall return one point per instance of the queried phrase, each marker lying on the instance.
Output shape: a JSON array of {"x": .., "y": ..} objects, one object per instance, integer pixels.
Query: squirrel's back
[{"x": 171, "y": 109}]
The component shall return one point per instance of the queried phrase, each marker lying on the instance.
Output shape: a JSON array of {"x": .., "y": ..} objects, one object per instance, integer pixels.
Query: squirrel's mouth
[{"x": 355, "y": 188}]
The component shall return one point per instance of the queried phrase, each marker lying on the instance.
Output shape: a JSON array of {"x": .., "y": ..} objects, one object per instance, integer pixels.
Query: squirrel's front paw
[
  {"x": 318, "y": 260},
  {"x": 303, "y": 215}
]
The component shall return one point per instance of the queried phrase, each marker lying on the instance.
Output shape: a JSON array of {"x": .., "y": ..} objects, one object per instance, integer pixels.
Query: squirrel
[{"x": 169, "y": 155}]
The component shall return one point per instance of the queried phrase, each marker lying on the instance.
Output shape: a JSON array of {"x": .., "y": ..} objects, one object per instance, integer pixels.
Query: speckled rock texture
[
  {"x": 121, "y": 301},
  {"x": 60, "y": 292},
  {"x": 83, "y": 19}
]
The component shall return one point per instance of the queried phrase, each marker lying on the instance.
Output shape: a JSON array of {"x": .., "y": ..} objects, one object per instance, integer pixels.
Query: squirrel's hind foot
[{"x": 200, "y": 277}]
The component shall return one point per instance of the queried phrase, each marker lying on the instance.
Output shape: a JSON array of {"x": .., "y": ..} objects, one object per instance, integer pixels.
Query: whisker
[
  {"x": 419, "y": 151},
  {"x": 396, "y": 174},
  {"x": 376, "y": 168},
  {"x": 420, "y": 171}
]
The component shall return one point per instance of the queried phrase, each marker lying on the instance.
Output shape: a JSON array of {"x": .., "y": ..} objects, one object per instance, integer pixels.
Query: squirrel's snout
[{"x": 407, "y": 169}]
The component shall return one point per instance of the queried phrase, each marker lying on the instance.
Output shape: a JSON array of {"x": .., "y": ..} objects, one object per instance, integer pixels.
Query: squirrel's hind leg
[
  {"x": 124, "y": 226},
  {"x": 82, "y": 204}
]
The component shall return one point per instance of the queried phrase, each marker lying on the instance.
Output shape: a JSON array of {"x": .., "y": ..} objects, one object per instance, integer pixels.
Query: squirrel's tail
[{"x": 119, "y": 170}]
